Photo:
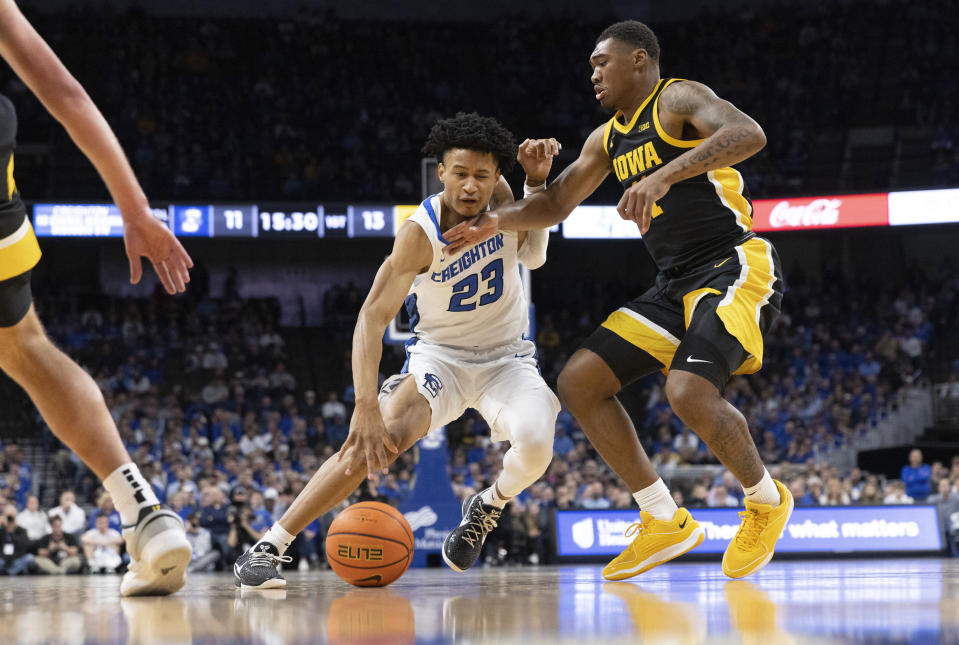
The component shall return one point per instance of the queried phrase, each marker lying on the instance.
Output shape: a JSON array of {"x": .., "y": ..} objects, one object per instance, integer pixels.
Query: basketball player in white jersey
[{"x": 468, "y": 313}]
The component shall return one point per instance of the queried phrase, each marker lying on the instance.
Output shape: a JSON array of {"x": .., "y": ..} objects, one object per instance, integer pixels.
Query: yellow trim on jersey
[
  {"x": 609, "y": 126},
  {"x": 11, "y": 184},
  {"x": 19, "y": 251},
  {"x": 691, "y": 299},
  {"x": 679, "y": 143},
  {"x": 729, "y": 186},
  {"x": 740, "y": 307},
  {"x": 625, "y": 129},
  {"x": 642, "y": 332}
]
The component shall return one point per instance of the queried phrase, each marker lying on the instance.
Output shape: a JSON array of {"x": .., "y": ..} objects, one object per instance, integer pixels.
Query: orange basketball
[{"x": 369, "y": 544}]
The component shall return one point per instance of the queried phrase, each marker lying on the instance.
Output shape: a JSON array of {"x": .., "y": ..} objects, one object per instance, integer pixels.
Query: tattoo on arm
[
  {"x": 682, "y": 98},
  {"x": 730, "y": 135},
  {"x": 730, "y": 144}
]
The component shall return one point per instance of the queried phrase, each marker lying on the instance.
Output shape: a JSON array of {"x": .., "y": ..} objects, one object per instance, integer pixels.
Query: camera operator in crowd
[{"x": 15, "y": 545}]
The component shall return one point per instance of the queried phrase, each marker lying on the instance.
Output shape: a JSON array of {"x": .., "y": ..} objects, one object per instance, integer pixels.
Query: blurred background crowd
[
  {"x": 227, "y": 421},
  {"x": 311, "y": 110}
]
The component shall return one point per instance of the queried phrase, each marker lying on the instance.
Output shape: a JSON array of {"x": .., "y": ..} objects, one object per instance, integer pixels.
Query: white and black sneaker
[
  {"x": 159, "y": 553},
  {"x": 259, "y": 568},
  {"x": 463, "y": 545}
]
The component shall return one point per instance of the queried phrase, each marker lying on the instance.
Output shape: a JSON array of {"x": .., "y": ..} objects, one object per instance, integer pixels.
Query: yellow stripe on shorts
[
  {"x": 691, "y": 299},
  {"x": 19, "y": 251},
  {"x": 642, "y": 332},
  {"x": 740, "y": 307}
]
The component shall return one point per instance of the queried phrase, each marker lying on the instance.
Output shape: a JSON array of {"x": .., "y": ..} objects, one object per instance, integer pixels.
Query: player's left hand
[
  {"x": 639, "y": 200},
  {"x": 146, "y": 236},
  {"x": 470, "y": 232},
  {"x": 536, "y": 158}
]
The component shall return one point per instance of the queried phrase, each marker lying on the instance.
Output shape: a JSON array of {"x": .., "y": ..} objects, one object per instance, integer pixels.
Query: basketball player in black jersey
[
  {"x": 671, "y": 144},
  {"x": 65, "y": 395}
]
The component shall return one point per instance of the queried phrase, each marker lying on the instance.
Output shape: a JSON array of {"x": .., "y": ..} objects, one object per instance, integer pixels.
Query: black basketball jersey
[
  {"x": 11, "y": 208},
  {"x": 700, "y": 218}
]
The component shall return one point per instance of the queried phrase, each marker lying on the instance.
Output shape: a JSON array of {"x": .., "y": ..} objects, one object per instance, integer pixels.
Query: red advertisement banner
[{"x": 813, "y": 213}]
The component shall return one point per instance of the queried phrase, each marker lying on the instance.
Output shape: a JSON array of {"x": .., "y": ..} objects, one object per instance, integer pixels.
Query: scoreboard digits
[
  {"x": 371, "y": 220},
  {"x": 229, "y": 220},
  {"x": 234, "y": 221}
]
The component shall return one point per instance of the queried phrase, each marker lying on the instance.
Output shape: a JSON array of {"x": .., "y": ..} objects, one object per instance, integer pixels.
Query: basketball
[{"x": 369, "y": 544}]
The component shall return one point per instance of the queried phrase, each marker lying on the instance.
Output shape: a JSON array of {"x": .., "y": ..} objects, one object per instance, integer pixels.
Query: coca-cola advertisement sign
[{"x": 810, "y": 213}]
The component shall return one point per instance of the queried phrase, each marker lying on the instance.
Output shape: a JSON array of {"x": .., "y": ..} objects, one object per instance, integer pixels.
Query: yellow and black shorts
[
  {"x": 709, "y": 320},
  {"x": 19, "y": 253}
]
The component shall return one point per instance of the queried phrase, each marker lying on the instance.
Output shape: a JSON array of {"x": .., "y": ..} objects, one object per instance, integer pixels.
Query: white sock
[
  {"x": 656, "y": 500},
  {"x": 765, "y": 492},
  {"x": 278, "y": 537},
  {"x": 492, "y": 498},
  {"x": 130, "y": 492}
]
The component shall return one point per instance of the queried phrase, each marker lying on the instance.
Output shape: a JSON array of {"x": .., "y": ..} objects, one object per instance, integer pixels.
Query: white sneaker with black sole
[
  {"x": 159, "y": 553},
  {"x": 259, "y": 568},
  {"x": 463, "y": 545}
]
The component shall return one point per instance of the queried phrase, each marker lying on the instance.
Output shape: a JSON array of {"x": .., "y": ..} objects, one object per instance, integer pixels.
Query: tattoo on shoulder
[{"x": 682, "y": 98}]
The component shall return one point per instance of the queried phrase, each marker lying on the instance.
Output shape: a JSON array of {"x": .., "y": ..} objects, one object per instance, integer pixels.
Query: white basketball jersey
[{"x": 472, "y": 299}]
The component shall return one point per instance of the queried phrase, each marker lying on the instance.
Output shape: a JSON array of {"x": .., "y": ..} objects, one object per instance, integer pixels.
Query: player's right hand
[
  {"x": 367, "y": 442},
  {"x": 536, "y": 158},
  {"x": 145, "y": 235},
  {"x": 470, "y": 232}
]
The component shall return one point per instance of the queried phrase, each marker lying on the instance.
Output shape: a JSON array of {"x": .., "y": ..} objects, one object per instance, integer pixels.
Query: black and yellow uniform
[
  {"x": 719, "y": 288},
  {"x": 19, "y": 251}
]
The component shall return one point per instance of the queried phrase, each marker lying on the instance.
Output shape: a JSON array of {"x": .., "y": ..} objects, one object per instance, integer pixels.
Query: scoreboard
[
  {"x": 341, "y": 221},
  {"x": 289, "y": 221}
]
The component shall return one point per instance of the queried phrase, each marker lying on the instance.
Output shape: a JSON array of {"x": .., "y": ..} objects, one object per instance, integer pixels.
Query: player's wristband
[{"x": 532, "y": 190}]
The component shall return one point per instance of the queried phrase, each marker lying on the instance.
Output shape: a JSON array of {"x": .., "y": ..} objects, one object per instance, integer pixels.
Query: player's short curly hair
[
  {"x": 472, "y": 132},
  {"x": 635, "y": 34}
]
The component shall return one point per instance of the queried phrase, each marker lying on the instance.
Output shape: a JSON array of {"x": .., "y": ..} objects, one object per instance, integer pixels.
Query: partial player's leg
[
  {"x": 73, "y": 407},
  {"x": 696, "y": 399},
  {"x": 628, "y": 346},
  {"x": 520, "y": 408},
  {"x": 701, "y": 367},
  {"x": 406, "y": 414},
  {"x": 588, "y": 386}
]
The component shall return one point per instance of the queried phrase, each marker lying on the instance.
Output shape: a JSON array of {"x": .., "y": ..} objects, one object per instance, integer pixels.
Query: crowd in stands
[
  {"x": 312, "y": 112},
  {"x": 207, "y": 405}
]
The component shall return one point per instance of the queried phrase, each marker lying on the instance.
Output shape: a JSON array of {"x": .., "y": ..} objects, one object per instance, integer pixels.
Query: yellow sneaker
[
  {"x": 755, "y": 541},
  {"x": 657, "y": 541}
]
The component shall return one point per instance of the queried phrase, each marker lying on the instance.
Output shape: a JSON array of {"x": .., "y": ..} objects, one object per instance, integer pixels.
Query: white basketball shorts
[{"x": 488, "y": 380}]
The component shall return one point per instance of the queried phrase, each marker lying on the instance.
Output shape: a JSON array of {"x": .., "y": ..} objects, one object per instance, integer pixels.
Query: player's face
[
  {"x": 614, "y": 66},
  {"x": 469, "y": 177}
]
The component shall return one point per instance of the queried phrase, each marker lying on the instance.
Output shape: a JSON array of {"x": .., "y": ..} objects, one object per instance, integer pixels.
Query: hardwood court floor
[{"x": 854, "y": 601}]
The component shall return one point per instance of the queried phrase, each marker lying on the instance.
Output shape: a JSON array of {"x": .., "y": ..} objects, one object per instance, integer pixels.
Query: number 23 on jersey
[{"x": 465, "y": 290}]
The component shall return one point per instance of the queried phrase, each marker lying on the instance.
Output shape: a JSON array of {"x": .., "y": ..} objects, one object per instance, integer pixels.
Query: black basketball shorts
[
  {"x": 709, "y": 320},
  {"x": 19, "y": 253}
]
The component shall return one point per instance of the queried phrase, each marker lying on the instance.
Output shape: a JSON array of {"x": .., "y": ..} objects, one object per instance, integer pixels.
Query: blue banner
[
  {"x": 80, "y": 220},
  {"x": 825, "y": 529},
  {"x": 431, "y": 508}
]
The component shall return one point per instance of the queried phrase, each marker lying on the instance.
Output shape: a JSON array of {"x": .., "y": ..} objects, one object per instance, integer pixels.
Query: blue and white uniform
[{"x": 468, "y": 312}]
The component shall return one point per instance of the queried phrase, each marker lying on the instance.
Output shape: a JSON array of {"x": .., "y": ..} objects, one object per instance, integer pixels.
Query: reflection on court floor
[{"x": 876, "y": 601}]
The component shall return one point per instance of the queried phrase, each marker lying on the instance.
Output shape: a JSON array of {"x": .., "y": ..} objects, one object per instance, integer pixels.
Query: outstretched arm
[
  {"x": 36, "y": 64},
  {"x": 368, "y": 439},
  {"x": 728, "y": 134},
  {"x": 544, "y": 209}
]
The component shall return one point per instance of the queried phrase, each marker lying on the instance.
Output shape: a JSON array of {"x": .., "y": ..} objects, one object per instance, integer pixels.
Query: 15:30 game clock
[{"x": 285, "y": 222}]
